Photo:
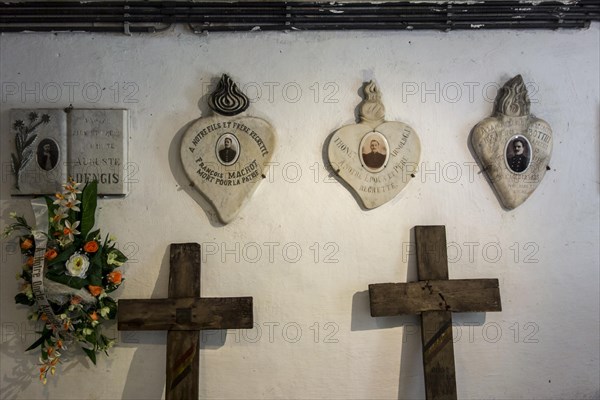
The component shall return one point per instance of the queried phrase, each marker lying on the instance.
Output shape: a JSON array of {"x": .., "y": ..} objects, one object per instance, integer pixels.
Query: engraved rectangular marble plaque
[
  {"x": 50, "y": 145},
  {"x": 98, "y": 148}
]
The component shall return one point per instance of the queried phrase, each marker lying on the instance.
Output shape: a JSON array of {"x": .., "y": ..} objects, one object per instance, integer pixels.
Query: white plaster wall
[{"x": 314, "y": 337}]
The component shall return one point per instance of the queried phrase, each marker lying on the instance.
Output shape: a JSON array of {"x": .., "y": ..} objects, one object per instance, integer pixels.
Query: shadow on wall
[
  {"x": 24, "y": 372},
  {"x": 177, "y": 168},
  {"x": 147, "y": 375},
  {"x": 411, "y": 382}
]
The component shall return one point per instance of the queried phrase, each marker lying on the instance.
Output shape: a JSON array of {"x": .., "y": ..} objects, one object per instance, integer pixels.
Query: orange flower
[
  {"x": 50, "y": 351},
  {"x": 30, "y": 262},
  {"x": 76, "y": 300},
  {"x": 44, "y": 317},
  {"x": 50, "y": 255},
  {"x": 26, "y": 244},
  {"x": 59, "y": 344},
  {"x": 94, "y": 316},
  {"x": 91, "y": 246},
  {"x": 115, "y": 277},
  {"x": 95, "y": 290}
]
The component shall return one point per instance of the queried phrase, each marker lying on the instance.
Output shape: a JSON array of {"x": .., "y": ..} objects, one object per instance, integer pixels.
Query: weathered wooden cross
[
  {"x": 184, "y": 314},
  {"x": 435, "y": 297}
]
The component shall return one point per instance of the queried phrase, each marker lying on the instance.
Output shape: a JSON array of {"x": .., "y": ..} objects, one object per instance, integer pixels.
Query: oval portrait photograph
[
  {"x": 518, "y": 154},
  {"x": 47, "y": 154},
  {"x": 374, "y": 151},
  {"x": 228, "y": 149}
]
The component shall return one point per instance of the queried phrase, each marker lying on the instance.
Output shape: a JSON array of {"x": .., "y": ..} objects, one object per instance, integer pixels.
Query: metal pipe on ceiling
[{"x": 154, "y": 16}]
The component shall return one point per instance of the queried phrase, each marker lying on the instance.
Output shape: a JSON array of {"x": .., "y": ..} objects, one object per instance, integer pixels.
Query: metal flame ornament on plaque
[
  {"x": 377, "y": 158},
  {"x": 513, "y": 146},
  {"x": 225, "y": 155}
]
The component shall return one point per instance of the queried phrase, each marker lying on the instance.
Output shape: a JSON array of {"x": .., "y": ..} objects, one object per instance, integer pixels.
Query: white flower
[
  {"x": 112, "y": 259},
  {"x": 13, "y": 215},
  {"x": 60, "y": 199},
  {"x": 59, "y": 215},
  {"x": 27, "y": 290},
  {"x": 87, "y": 331},
  {"x": 72, "y": 187},
  {"x": 110, "y": 343},
  {"x": 36, "y": 232},
  {"x": 7, "y": 232},
  {"x": 64, "y": 241},
  {"x": 71, "y": 204},
  {"x": 71, "y": 230},
  {"x": 104, "y": 311},
  {"x": 77, "y": 265}
]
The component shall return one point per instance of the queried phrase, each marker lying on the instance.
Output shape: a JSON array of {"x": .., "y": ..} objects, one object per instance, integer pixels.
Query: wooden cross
[
  {"x": 184, "y": 314},
  {"x": 435, "y": 297}
]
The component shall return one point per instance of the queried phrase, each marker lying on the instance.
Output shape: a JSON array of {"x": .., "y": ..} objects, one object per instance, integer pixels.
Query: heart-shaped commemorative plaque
[
  {"x": 513, "y": 146},
  {"x": 376, "y": 158},
  {"x": 225, "y": 155}
]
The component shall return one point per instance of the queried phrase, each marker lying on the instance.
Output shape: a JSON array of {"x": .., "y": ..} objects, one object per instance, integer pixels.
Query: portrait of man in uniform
[
  {"x": 47, "y": 154},
  {"x": 518, "y": 153},
  {"x": 228, "y": 149}
]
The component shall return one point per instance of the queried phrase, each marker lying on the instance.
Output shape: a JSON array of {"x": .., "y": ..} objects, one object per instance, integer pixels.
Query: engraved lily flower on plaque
[
  {"x": 513, "y": 146},
  {"x": 25, "y": 141},
  {"x": 375, "y": 157},
  {"x": 225, "y": 155}
]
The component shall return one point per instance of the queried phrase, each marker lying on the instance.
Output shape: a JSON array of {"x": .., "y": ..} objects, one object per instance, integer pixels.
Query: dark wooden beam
[
  {"x": 186, "y": 314},
  {"x": 459, "y": 295},
  {"x": 435, "y": 297}
]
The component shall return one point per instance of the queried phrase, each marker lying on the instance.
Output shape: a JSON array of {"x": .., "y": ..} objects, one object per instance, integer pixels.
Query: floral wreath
[{"x": 68, "y": 274}]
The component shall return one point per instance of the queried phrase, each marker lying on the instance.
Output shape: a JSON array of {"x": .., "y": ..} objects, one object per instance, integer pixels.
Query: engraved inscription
[
  {"x": 225, "y": 156},
  {"x": 98, "y": 145},
  {"x": 513, "y": 146},
  {"x": 377, "y": 158}
]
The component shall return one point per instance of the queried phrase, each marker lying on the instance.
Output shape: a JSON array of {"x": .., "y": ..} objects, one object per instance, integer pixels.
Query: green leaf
[
  {"x": 112, "y": 305},
  {"x": 26, "y": 275},
  {"x": 89, "y": 199},
  {"x": 22, "y": 298},
  {"x": 71, "y": 281},
  {"x": 92, "y": 235},
  {"x": 45, "y": 335},
  {"x": 49, "y": 202},
  {"x": 51, "y": 206},
  {"x": 24, "y": 225},
  {"x": 94, "y": 276},
  {"x": 64, "y": 256},
  {"x": 91, "y": 354},
  {"x": 120, "y": 256}
]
